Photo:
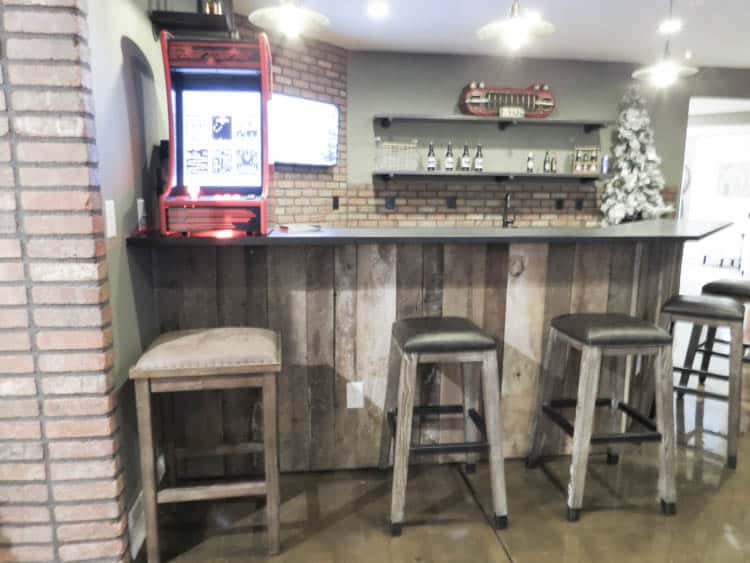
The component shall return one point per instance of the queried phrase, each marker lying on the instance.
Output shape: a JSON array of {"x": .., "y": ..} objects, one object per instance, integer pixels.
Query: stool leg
[
  {"x": 709, "y": 347},
  {"x": 407, "y": 381},
  {"x": 588, "y": 385},
  {"x": 553, "y": 370},
  {"x": 271, "y": 461},
  {"x": 472, "y": 387},
  {"x": 735, "y": 393},
  {"x": 692, "y": 350},
  {"x": 664, "y": 384},
  {"x": 391, "y": 397},
  {"x": 493, "y": 415},
  {"x": 148, "y": 467}
]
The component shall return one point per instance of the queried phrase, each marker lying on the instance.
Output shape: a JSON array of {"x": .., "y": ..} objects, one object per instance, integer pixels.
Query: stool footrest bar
[
  {"x": 702, "y": 373},
  {"x": 209, "y": 492},
  {"x": 700, "y": 393},
  {"x": 457, "y": 448}
]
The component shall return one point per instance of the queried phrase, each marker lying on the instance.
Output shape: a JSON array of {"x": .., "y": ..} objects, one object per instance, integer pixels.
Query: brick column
[{"x": 60, "y": 477}]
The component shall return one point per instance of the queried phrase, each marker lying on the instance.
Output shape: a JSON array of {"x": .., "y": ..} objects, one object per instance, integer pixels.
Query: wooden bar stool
[
  {"x": 436, "y": 340},
  {"x": 714, "y": 312},
  {"x": 597, "y": 335},
  {"x": 203, "y": 360}
]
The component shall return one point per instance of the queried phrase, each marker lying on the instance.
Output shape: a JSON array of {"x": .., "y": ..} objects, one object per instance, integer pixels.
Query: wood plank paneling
[{"x": 430, "y": 376}]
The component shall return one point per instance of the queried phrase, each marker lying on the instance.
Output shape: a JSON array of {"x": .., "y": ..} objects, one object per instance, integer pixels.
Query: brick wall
[{"x": 60, "y": 477}]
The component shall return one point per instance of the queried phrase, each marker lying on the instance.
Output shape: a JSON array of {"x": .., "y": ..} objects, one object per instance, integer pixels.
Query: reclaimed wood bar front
[{"x": 334, "y": 294}]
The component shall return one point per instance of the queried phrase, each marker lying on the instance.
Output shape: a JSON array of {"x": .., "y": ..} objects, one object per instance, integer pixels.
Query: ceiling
[
  {"x": 713, "y": 106},
  {"x": 604, "y": 30}
]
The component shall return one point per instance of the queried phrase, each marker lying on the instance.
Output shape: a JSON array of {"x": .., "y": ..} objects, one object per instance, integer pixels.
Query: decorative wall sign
[{"x": 536, "y": 101}]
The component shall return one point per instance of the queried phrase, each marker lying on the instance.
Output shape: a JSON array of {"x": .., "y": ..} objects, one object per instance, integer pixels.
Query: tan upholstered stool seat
[{"x": 210, "y": 351}]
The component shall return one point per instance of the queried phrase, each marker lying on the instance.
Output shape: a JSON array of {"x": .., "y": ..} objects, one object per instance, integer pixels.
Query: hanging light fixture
[
  {"x": 289, "y": 18},
  {"x": 517, "y": 30},
  {"x": 665, "y": 72}
]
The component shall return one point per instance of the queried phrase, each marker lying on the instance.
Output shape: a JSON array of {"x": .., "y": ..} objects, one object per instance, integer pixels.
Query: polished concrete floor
[{"x": 342, "y": 517}]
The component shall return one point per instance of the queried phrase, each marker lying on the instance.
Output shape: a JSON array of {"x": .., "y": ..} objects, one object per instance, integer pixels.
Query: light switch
[
  {"x": 110, "y": 219},
  {"x": 355, "y": 395}
]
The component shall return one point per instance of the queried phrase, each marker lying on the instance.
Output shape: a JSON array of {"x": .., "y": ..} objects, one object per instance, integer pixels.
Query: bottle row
[{"x": 213, "y": 8}]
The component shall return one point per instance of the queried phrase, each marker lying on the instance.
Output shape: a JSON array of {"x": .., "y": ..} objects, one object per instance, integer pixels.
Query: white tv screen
[{"x": 303, "y": 131}]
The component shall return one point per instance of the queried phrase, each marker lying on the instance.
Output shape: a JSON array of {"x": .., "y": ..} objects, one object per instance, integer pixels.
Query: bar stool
[
  {"x": 714, "y": 312},
  {"x": 597, "y": 335},
  {"x": 735, "y": 289},
  {"x": 436, "y": 340},
  {"x": 203, "y": 360}
]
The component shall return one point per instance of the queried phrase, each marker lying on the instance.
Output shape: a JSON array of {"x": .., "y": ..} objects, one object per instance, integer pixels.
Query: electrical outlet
[
  {"x": 336, "y": 202},
  {"x": 451, "y": 202},
  {"x": 110, "y": 219},
  {"x": 355, "y": 395},
  {"x": 390, "y": 202},
  {"x": 559, "y": 203},
  {"x": 579, "y": 204}
]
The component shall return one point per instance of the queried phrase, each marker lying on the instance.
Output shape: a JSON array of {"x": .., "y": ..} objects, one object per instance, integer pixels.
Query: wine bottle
[
  {"x": 479, "y": 160},
  {"x": 466, "y": 159},
  {"x": 547, "y": 163},
  {"x": 553, "y": 163},
  {"x": 450, "y": 161},
  {"x": 530, "y": 163},
  {"x": 431, "y": 158}
]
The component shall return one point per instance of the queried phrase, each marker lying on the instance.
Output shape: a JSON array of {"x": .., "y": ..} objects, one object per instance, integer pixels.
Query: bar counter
[{"x": 334, "y": 294}]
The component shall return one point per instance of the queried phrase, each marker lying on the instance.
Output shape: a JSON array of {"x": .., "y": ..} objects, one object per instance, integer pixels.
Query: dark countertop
[{"x": 640, "y": 231}]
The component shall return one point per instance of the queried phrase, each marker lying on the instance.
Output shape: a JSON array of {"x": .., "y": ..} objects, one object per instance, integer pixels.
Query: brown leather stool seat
[
  {"x": 739, "y": 289},
  {"x": 705, "y": 306},
  {"x": 440, "y": 334},
  {"x": 611, "y": 329}
]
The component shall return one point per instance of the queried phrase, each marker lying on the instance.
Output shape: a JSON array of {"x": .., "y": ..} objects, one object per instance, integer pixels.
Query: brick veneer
[{"x": 60, "y": 476}]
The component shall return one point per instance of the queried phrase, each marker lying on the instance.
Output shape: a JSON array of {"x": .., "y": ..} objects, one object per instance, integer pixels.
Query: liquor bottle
[
  {"x": 431, "y": 158},
  {"x": 450, "y": 161},
  {"x": 479, "y": 160},
  {"x": 553, "y": 163},
  {"x": 218, "y": 9},
  {"x": 530, "y": 163},
  {"x": 208, "y": 7},
  {"x": 547, "y": 163},
  {"x": 466, "y": 159}
]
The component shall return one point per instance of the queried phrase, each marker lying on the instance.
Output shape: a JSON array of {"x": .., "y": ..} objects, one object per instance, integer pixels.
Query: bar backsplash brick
[{"x": 61, "y": 484}]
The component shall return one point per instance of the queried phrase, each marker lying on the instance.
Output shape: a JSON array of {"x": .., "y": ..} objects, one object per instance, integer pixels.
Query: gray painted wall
[{"x": 414, "y": 83}]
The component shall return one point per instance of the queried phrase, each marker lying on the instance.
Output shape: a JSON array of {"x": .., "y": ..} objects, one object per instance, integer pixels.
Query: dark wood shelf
[
  {"x": 499, "y": 176},
  {"x": 386, "y": 120},
  {"x": 189, "y": 21}
]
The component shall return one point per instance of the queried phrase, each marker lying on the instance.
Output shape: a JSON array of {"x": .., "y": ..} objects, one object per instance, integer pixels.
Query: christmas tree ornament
[{"x": 634, "y": 191}]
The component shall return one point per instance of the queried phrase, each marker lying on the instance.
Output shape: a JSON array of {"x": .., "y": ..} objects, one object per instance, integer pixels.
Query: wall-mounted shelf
[
  {"x": 188, "y": 21},
  {"x": 386, "y": 120},
  {"x": 498, "y": 176}
]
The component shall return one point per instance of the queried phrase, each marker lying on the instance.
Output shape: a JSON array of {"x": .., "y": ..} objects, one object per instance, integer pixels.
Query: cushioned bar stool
[
  {"x": 714, "y": 312},
  {"x": 597, "y": 335},
  {"x": 441, "y": 341},
  {"x": 735, "y": 289},
  {"x": 203, "y": 360}
]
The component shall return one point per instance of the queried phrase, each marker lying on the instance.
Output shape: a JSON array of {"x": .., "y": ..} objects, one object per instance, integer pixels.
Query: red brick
[
  {"x": 54, "y": 126},
  {"x": 11, "y": 271},
  {"x": 61, "y": 200},
  {"x": 21, "y": 451},
  {"x": 65, "y": 248},
  {"x": 76, "y": 470},
  {"x": 7, "y": 176},
  {"x": 7, "y": 201},
  {"x": 45, "y": 22},
  {"x": 74, "y": 76},
  {"x": 75, "y": 362},
  {"x": 91, "y": 511},
  {"x": 77, "y": 384},
  {"x": 95, "y": 490},
  {"x": 24, "y": 515},
  {"x": 89, "y": 428},
  {"x": 17, "y": 364},
  {"x": 43, "y": 49},
  {"x": 82, "y": 449},
  {"x": 8, "y": 225},
  {"x": 22, "y": 472},
  {"x": 73, "y": 339},
  {"x": 26, "y": 534},
  {"x": 23, "y": 493},
  {"x": 13, "y": 318},
  {"x": 35, "y": 100},
  {"x": 63, "y": 224},
  {"x": 20, "y": 430},
  {"x": 26, "y": 553},
  {"x": 68, "y": 271},
  {"x": 17, "y": 386},
  {"x": 13, "y": 295},
  {"x": 59, "y": 176},
  {"x": 10, "y": 248},
  {"x": 80, "y": 406},
  {"x": 72, "y": 317},
  {"x": 14, "y": 342},
  {"x": 93, "y": 550},
  {"x": 91, "y": 531},
  {"x": 56, "y": 152},
  {"x": 18, "y": 408}
]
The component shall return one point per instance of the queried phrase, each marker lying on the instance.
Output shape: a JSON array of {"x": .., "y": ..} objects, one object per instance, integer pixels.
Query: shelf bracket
[
  {"x": 385, "y": 122},
  {"x": 503, "y": 125},
  {"x": 589, "y": 127}
]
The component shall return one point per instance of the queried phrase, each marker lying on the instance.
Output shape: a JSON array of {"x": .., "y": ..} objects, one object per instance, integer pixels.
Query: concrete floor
[{"x": 342, "y": 517}]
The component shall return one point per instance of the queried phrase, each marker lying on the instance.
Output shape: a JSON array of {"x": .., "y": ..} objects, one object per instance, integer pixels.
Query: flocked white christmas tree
[{"x": 634, "y": 189}]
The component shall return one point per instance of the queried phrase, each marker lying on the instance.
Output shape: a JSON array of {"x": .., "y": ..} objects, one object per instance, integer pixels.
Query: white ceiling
[
  {"x": 716, "y": 31},
  {"x": 713, "y": 106}
]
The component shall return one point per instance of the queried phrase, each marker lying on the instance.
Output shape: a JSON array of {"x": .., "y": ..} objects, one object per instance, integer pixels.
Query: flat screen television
[{"x": 303, "y": 132}]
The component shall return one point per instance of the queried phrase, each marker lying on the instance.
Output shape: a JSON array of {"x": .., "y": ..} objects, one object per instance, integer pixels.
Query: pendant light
[
  {"x": 289, "y": 18},
  {"x": 665, "y": 72},
  {"x": 517, "y": 30}
]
